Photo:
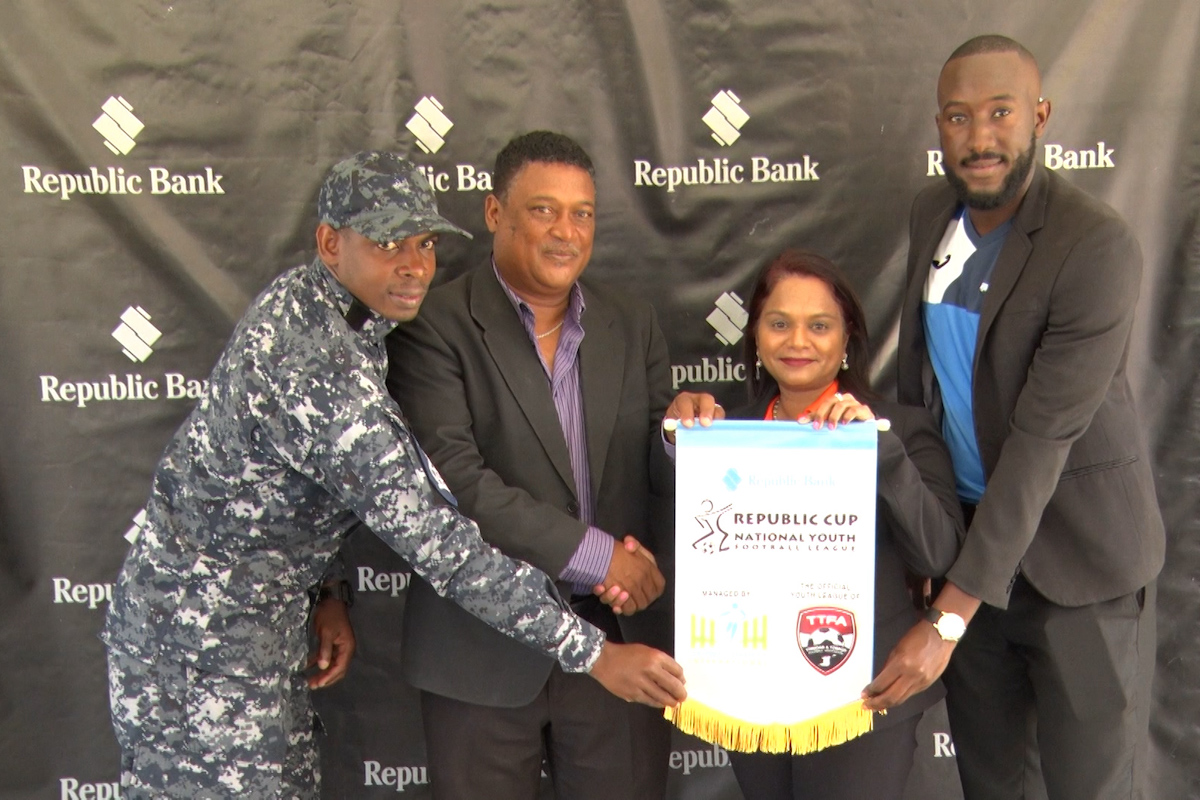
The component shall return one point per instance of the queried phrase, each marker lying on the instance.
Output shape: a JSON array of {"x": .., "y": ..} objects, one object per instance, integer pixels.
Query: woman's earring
[
  {"x": 845, "y": 363},
  {"x": 757, "y": 366}
]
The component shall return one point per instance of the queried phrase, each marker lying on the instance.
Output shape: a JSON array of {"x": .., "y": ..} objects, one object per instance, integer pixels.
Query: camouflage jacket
[{"x": 294, "y": 440}]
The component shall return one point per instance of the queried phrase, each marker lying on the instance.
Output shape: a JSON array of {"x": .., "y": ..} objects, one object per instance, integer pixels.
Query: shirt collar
[
  {"x": 367, "y": 323},
  {"x": 576, "y": 305}
]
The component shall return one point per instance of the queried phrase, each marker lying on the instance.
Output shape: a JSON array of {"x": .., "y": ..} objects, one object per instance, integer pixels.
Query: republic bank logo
[
  {"x": 726, "y": 118},
  {"x": 136, "y": 527},
  {"x": 398, "y": 778},
  {"x": 136, "y": 334},
  {"x": 429, "y": 124},
  {"x": 728, "y": 319},
  {"x": 118, "y": 125},
  {"x": 394, "y": 583},
  {"x": 73, "y": 789},
  {"x": 120, "y": 129},
  {"x": 707, "y": 758}
]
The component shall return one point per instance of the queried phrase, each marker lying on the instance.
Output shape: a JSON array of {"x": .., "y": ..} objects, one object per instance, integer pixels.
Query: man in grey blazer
[
  {"x": 1015, "y": 330},
  {"x": 538, "y": 395}
]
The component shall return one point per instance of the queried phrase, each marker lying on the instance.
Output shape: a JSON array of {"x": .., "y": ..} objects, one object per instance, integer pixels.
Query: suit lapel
[
  {"x": 1014, "y": 255},
  {"x": 601, "y": 360},
  {"x": 520, "y": 367}
]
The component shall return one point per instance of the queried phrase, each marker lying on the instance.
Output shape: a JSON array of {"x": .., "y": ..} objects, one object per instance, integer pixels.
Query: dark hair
[
  {"x": 991, "y": 43},
  {"x": 806, "y": 264},
  {"x": 545, "y": 147}
]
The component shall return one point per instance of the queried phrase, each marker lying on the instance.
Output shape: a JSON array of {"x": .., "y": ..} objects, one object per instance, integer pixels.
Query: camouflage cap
[{"x": 382, "y": 196}]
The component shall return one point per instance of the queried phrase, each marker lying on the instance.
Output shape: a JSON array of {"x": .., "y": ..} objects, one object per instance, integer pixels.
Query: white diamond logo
[
  {"x": 728, "y": 319},
  {"x": 726, "y": 118},
  {"x": 118, "y": 125},
  {"x": 429, "y": 124},
  {"x": 135, "y": 530},
  {"x": 136, "y": 334}
]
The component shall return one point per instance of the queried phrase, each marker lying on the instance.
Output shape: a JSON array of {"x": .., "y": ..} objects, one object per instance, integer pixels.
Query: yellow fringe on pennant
[{"x": 831, "y": 728}]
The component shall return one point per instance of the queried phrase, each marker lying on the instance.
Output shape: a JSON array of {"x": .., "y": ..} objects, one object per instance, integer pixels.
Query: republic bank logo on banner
[
  {"x": 135, "y": 336},
  {"x": 119, "y": 128},
  {"x": 725, "y": 119},
  {"x": 1054, "y": 156}
]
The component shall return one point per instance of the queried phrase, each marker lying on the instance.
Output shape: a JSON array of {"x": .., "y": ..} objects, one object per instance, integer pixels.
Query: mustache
[
  {"x": 987, "y": 154},
  {"x": 561, "y": 250}
]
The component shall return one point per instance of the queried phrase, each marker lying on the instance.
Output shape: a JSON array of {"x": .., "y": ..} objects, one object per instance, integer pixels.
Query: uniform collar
[{"x": 367, "y": 323}]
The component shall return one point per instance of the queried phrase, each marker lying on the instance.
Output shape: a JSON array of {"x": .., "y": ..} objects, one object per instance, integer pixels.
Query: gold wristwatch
[{"x": 950, "y": 626}]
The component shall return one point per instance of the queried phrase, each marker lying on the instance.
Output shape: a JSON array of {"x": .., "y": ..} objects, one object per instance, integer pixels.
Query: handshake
[{"x": 635, "y": 672}]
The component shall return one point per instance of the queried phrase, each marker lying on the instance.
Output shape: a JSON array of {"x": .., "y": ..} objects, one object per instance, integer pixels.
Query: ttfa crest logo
[
  {"x": 728, "y": 319},
  {"x": 429, "y": 124},
  {"x": 136, "y": 334},
  {"x": 726, "y": 118},
  {"x": 118, "y": 125},
  {"x": 826, "y": 637}
]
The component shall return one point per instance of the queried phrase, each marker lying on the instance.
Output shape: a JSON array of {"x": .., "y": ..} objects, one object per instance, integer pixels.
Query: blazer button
[{"x": 573, "y": 509}]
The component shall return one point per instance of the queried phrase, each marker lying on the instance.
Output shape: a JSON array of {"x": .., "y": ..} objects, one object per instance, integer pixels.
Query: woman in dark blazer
[{"x": 806, "y": 352}]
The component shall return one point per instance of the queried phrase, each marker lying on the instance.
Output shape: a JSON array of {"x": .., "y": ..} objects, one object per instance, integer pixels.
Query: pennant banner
[{"x": 775, "y": 586}]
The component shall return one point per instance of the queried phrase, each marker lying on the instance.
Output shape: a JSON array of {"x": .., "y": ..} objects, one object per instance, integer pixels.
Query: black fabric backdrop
[{"x": 257, "y": 100}]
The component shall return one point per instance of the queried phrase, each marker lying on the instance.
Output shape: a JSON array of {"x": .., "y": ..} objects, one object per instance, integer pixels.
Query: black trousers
[
  {"x": 1083, "y": 673},
  {"x": 596, "y": 745},
  {"x": 874, "y": 766}
]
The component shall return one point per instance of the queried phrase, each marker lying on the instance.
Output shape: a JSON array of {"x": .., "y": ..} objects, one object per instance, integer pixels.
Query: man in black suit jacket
[
  {"x": 1015, "y": 331},
  {"x": 538, "y": 396}
]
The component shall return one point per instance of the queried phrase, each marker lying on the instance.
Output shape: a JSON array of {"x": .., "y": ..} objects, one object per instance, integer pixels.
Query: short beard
[{"x": 983, "y": 201}]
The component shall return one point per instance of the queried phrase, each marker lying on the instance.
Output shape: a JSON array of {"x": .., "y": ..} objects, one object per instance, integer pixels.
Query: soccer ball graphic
[{"x": 823, "y": 637}]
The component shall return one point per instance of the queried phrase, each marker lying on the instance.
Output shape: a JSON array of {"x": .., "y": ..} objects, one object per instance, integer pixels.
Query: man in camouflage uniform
[{"x": 295, "y": 441}]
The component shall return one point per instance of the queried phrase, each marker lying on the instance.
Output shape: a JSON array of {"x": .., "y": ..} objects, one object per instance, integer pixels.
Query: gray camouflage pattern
[
  {"x": 384, "y": 197},
  {"x": 173, "y": 725},
  {"x": 294, "y": 439}
]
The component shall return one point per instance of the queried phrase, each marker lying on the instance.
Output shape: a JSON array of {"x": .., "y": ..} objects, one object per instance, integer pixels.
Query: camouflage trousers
[{"x": 190, "y": 734}]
